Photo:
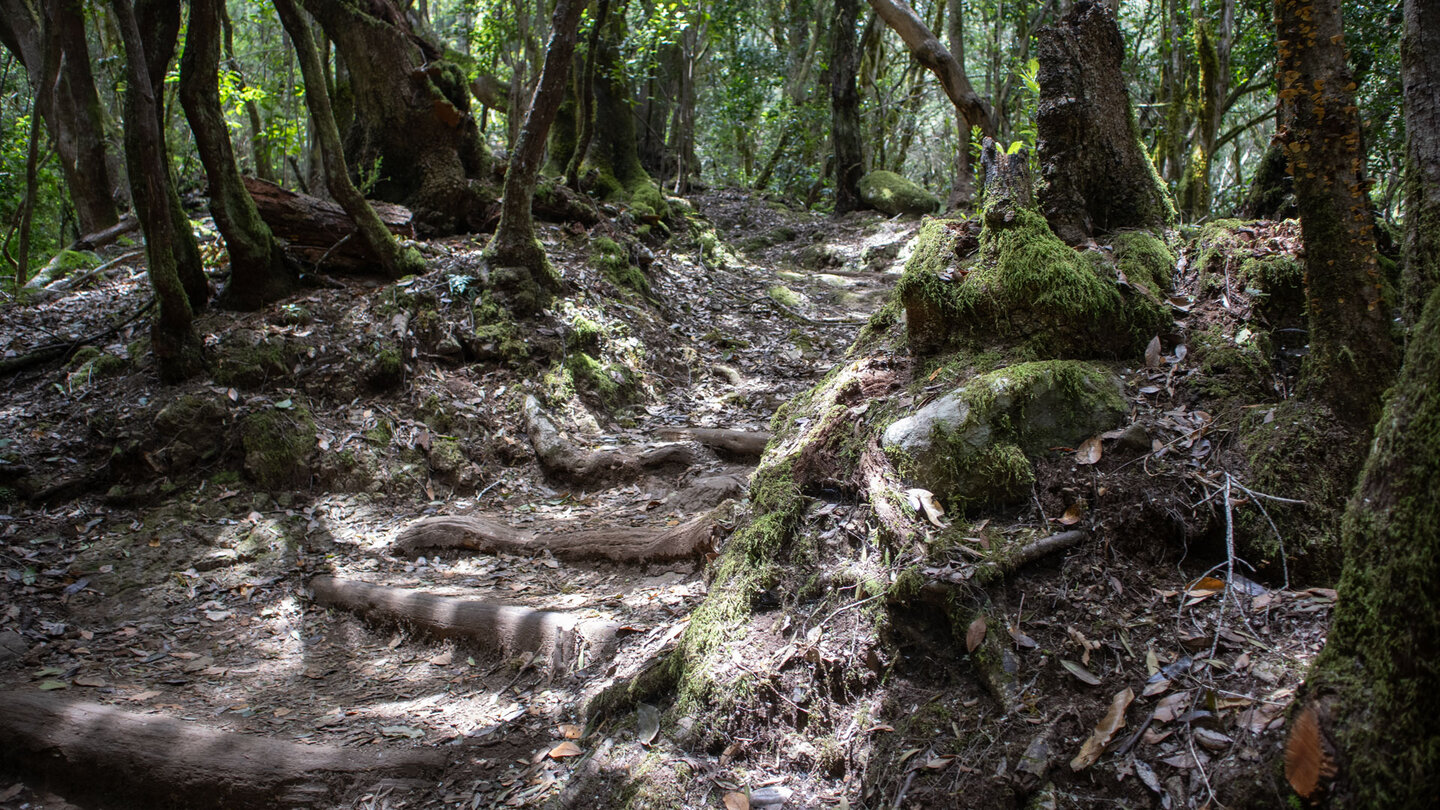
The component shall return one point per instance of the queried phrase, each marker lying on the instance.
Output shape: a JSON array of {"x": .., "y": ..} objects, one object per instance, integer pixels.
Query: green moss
[
  {"x": 585, "y": 335},
  {"x": 447, "y": 456},
  {"x": 89, "y": 364},
  {"x": 612, "y": 384},
  {"x": 252, "y": 365},
  {"x": 381, "y": 434},
  {"x": 496, "y": 335},
  {"x": 1145, "y": 260},
  {"x": 784, "y": 296},
  {"x": 893, "y": 194},
  {"x": 1025, "y": 287},
  {"x": 386, "y": 368},
  {"x": 1235, "y": 370},
  {"x": 278, "y": 446},
  {"x": 614, "y": 262}
]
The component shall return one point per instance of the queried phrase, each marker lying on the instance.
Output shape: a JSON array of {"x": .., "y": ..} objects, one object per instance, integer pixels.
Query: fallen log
[
  {"x": 566, "y": 642},
  {"x": 562, "y": 459},
  {"x": 688, "y": 540},
  {"x": 96, "y": 752},
  {"x": 319, "y": 232},
  {"x": 746, "y": 443}
]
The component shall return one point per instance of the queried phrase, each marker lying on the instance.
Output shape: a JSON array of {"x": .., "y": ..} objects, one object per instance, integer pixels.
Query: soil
[{"x": 146, "y": 567}]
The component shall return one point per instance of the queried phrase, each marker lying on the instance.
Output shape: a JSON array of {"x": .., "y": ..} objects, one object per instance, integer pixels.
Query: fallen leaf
[
  {"x": 92, "y": 681},
  {"x": 975, "y": 634},
  {"x": 570, "y": 731},
  {"x": 1089, "y": 452},
  {"x": 565, "y": 749},
  {"x": 648, "y": 724},
  {"x": 146, "y": 695},
  {"x": 1080, "y": 672},
  {"x": 443, "y": 659},
  {"x": 47, "y": 686},
  {"x": 402, "y": 731},
  {"x": 924, "y": 499},
  {"x": 736, "y": 800},
  {"x": 1073, "y": 514},
  {"x": 1113, "y": 721},
  {"x": 1154, "y": 356}
]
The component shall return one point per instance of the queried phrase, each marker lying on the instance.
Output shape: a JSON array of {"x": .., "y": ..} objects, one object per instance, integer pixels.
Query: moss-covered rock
[
  {"x": 194, "y": 430},
  {"x": 279, "y": 445},
  {"x": 893, "y": 194},
  {"x": 91, "y": 364},
  {"x": 249, "y": 360},
  {"x": 611, "y": 385},
  {"x": 497, "y": 337},
  {"x": 975, "y": 445},
  {"x": 614, "y": 262}
]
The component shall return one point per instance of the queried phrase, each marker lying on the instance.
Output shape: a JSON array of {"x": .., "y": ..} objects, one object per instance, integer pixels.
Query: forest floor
[{"x": 143, "y": 566}]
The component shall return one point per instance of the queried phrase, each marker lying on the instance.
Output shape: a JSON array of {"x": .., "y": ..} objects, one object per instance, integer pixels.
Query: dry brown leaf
[
  {"x": 1113, "y": 721},
  {"x": 1089, "y": 452},
  {"x": 1073, "y": 514},
  {"x": 565, "y": 749},
  {"x": 975, "y": 634},
  {"x": 736, "y": 800},
  {"x": 1154, "y": 356},
  {"x": 1307, "y": 764},
  {"x": 647, "y": 723},
  {"x": 1080, "y": 672},
  {"x": 570, "y": 731}
]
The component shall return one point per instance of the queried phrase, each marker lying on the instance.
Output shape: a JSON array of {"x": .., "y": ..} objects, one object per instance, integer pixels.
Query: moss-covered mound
[
  {"x": 893, "y": 194},
  {"x": 974, "y": 445},
  {"x": 1027, "y": 290},
  {"x": 279, "y": 443}
]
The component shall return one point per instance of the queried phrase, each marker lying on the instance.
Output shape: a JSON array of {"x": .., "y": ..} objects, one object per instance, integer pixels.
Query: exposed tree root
[
  {"x": 687, "y": 540},
  {"x": 943, "y": 579},
  {"x": 564, "y": 460},
  {"x": 745, "y": 443},
  {"x": 88, "y": 750},
  {"x": 566, "y": 642}
]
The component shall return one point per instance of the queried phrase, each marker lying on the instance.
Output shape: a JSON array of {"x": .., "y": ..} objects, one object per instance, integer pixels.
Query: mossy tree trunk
[
  {"x": 1272, "y": 193},
  {"x": 159, "y": 22},
  {"x": 845, "y": 106},
  {"x": 1352, "y": 355},
  {"x": 259, "y": 271},
  {"x": 394, "y": 260},
  {"x": 412, "y": 124},
  {"x": 1420, "y": 74},
  {"x": 1096, "y": 178},
  {"x": 585, "y": 99},
  {"x": 173, "y": 339},
  {"x": 1376, "y": 686},
  {"x": 514, "y": 244}
]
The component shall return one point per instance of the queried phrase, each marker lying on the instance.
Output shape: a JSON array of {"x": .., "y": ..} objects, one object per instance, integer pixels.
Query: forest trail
[{"x": 186, "y": 593}]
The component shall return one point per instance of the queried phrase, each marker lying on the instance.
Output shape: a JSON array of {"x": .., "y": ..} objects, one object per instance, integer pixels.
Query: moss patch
[
  {"x": 614, "y": 262},
  {"x": 893, "y": 194},
  {"x": 279, "y": 444}
]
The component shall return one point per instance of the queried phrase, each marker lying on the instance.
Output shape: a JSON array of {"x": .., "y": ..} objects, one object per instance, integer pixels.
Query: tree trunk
[
  {"x": 71, "y": 110},
  {"x": 1420, "y": 74},
  {"x": 395, "y": 261},
  {"x": 1272, "y": 191},
  {"x": 514, "y": 244},
  {"x": 845, "y": 106},
  {"x": 172, "y": 337},
  {"x": 412, "y": 124},
  {"x": 1374, "y": 692},
  {"x": 259, "y": 272},
  {"x": 1096, "y": 177},
  {"x": 585, "y": 100},
  {"x": 259, "y": 141},
  {"x": 1352, "y": 357},
  {"x": 49, "y": 72},
  {"x": 963, "y": 192}
]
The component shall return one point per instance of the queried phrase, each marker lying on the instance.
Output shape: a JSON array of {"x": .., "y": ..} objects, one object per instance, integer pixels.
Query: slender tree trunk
[
  {"x": 395, "y": 261},
  {"x": 178, "y": 351},
  {"x": 963, "y": 191},
  {"x": 259, "y": 140},
  {"x": 514, "y": 244},
  {"x": 927, "y": 49},
  {"x": 159, "y": 23},
  {"x": 49, "y": 73},
  {"x": 259, "y": 272},
  {"x": 585, "y": 99},
  {"x": 845, "y": 106},
  {"x": 1420, "y": 74},
  {"x": 1352, "y": 356}
]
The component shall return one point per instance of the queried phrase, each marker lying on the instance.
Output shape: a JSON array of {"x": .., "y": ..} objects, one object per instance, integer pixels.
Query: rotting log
[
  {"x": 562, "y": 459},
  {"x": 564, "y": 641},
  {"x": 319, "y": 232},
  {"x": 745, "y": 443},
  {"x": 688, "y": 540},
  {"x": 91, "y": 751}
]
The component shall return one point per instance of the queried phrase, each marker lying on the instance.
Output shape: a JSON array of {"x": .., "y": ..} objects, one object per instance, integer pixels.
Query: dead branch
[
  {"x": 688, "y": 540},
  {"x": 747, "y": 443}
]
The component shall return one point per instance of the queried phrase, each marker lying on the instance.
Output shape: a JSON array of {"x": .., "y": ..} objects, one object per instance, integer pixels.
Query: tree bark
[
  {"x": 412, "y": 123},
  {"x": 177, "y": 348},
  {"x": 845, "y": 106},
  {"x": 1095, "y": 175},
  {"x": 394, "y": 260},
  {"x": 259, "y": 272},
  {"x": 1420, "y": 75},
  {"x": 585, "y": 100},
  {"x": 259, "y": 141},
  {"x": 514, "y": 244},
  {"x": 1352, "y": 356}
]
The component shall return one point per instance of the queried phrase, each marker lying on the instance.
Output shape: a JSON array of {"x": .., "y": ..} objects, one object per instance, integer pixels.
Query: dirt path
[{"x": 186, "y": 591}]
